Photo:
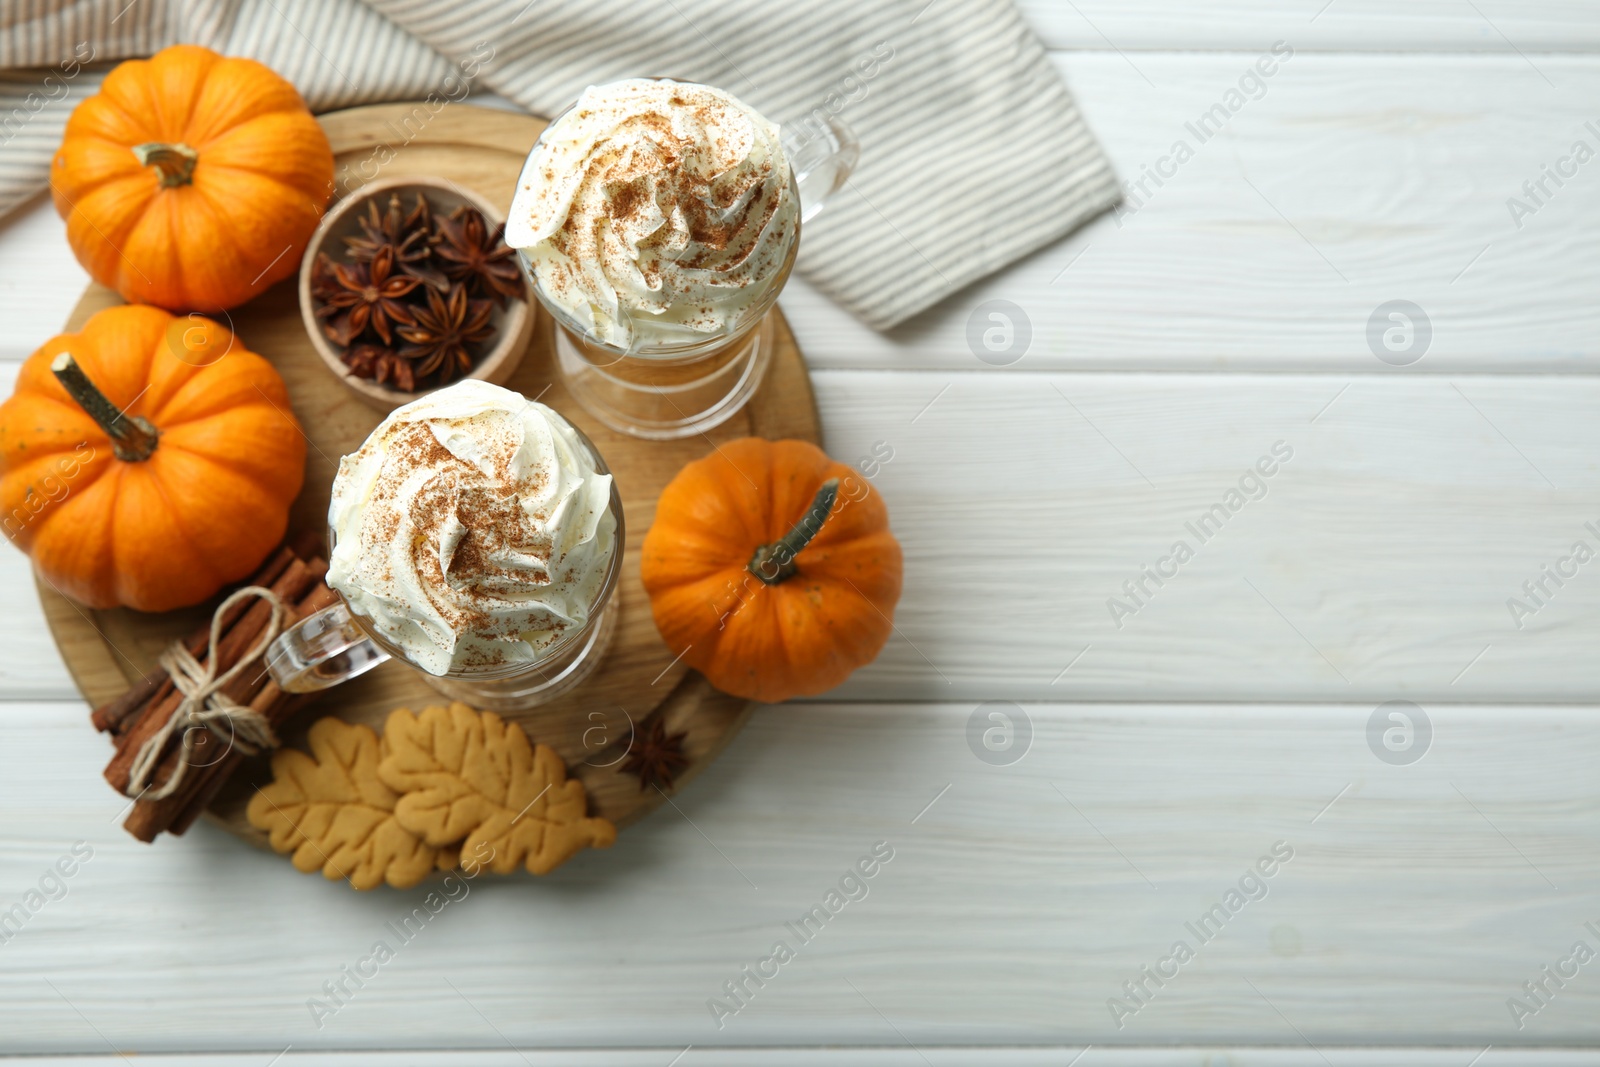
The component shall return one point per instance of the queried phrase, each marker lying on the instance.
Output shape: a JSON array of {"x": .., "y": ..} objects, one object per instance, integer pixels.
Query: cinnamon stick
[
  {"x": 320, "y": 597},
  {"x": 176, "y": 813},
  {"x": 290, "y": 586},
  {"x": 156, "y": 685},
  {"x": 112, "y": 714},
  {"x": 272, "y": 704},
  {"x": 309, "y": 544}
]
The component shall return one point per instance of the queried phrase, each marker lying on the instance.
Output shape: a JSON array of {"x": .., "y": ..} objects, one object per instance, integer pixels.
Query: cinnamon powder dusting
[
  {"x": 497, "y": 551},
  {"x": 682, "y": 211}
]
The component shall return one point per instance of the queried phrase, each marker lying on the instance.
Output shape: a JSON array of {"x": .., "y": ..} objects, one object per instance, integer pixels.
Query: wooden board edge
[
  {"x": 98, "y": 672},
  {"x": 352, "y": 126},
  {"x": 412, "y": 123},
  {"x": 694, "y": 706},
  {"x": 791, "y": 379}
]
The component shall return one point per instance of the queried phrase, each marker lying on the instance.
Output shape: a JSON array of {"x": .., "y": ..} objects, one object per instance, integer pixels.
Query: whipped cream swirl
[
  {"x": 472, "y": 529},
  {"x": 655, "y": 212}
]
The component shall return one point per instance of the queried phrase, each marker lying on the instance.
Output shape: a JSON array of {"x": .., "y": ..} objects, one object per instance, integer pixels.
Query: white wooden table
[{"x": 1170, "y": 744}]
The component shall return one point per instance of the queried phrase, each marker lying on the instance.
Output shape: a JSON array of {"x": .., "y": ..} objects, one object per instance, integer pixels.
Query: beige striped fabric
[{"x": 973, "y": 153}]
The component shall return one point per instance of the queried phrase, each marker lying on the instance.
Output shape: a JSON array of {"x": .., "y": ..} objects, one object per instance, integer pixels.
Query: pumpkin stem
[
  {"x": 775, "y": 563},
  {"x": 133, "y": 439},
  {"x": 173, "y": 162}
]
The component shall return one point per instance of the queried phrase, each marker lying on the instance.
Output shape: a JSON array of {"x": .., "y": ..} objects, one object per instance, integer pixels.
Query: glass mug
[
  {"x": 666, "y": 391},
  {"x": 337, "y": 644}
]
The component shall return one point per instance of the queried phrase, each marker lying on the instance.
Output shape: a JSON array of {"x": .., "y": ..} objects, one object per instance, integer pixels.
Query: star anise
[
  {"x": 367, "y": 296},
  {"x": 657, "y": 757},
  {"x": 407, "y": 236},
  {"x": 381, "y": 364},
  {"x": 472, "y": 254},
  {"x": 323, "y": 282},
  {"x": 443, "y": 335}
]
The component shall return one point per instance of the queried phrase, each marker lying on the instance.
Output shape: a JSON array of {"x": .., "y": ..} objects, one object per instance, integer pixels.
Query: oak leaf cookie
[
  {"x": 331, "y": 810},
  {"x": 471, "y": 777}
]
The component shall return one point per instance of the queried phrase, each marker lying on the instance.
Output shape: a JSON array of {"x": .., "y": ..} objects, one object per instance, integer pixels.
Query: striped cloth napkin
[{"x": 973, "y": 153}]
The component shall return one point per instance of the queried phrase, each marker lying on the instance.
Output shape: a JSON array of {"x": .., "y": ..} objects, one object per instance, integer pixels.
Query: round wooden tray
[{"x": 482, "y": 150}]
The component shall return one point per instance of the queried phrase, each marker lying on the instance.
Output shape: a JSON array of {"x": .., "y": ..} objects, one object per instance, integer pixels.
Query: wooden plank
[
  {"x": 39, "y": 280},
  {"x": 923, "y": 1056},
  {"x": 1397, "y": 168},
  {"x": 1353, "y": 181},
  {"x": 1379, "y": 565},
  {"x": 1340, "y": 25},
  {"x": 1417, "y": 900},
  {"x": 31, "y": 667}
]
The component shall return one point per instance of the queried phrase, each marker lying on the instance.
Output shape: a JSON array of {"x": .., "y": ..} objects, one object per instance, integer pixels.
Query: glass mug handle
[
  {"x": 322, "y": 650},
  {"x": 822, "y": 153}
]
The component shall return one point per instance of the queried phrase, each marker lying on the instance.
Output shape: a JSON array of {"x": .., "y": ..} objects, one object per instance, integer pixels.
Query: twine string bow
[{"x": 204, "y": 705}]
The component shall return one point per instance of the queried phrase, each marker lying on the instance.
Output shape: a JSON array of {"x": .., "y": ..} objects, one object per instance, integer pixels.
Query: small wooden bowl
[{"x": 513, "y": 323}]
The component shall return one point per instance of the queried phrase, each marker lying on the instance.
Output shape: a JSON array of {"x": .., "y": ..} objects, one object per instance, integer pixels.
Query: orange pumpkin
[
  {"x": 191, "y": 181},
  {"x": 148, "y": 460},
  {"x": 771, "y": 569}
]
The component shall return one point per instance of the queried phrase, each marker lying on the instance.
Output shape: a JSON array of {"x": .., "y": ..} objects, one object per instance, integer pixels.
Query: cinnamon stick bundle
[
  {"x": 291, "y": 586},
  {"x": 215, "y": 761},
  {"x": 157, "y": 685},
  {"x": 146, "y": 707}
]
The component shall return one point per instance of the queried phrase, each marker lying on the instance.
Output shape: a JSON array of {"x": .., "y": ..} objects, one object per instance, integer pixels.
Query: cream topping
[
  {"x": 655, "y": 212},
  {"x": 472, "y": 529}
]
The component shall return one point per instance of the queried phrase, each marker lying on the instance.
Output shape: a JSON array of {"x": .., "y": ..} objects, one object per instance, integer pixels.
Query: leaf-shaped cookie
[
  {"x": 331, "y": 810},
  {"x": 471, "y": 775}
]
